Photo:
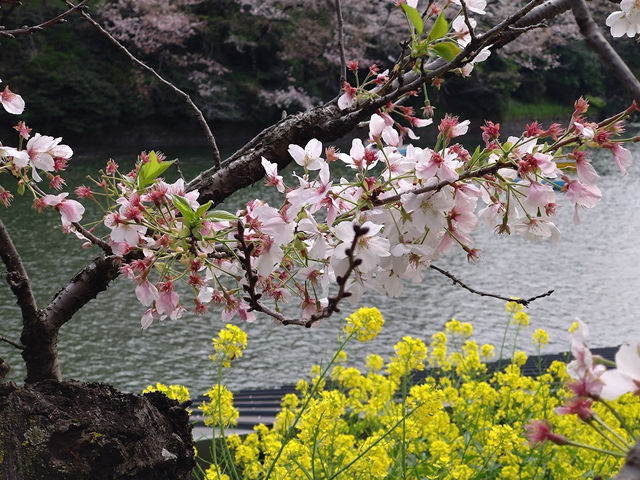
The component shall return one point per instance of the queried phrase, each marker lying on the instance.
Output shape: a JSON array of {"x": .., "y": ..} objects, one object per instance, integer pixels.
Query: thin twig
[
  {"x": 203, "y": 123},
  {"x": 522, "y": 301},
  {"x": 176, "y": 163},
  {"x": 11, "y": 342},
  {"x": 493, "y": 168},
  {"x": 467, "y": 20},
  {"x": 343, "y": 60},
  {"x": 26, "y": 30}
]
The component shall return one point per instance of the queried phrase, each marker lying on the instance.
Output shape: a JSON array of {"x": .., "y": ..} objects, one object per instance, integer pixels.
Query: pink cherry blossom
[
  {"x": 622, "y": 156},
  {"x": 70, "y": 210},
  {"x": 309, "y": 157},
  {"x": 146, "y": 293},
  {"x": 462, "y": 34},
  {"x": 123, "y": 230},
  {"x": 348, "y": 98},
  {"x": 539, "y": 431},
  {"x": 12, "y": 102},
  {"x": 273, "y": 178},
  {"x": 625, "y": 377},
  {"x": 20, "y": 157},
  {"x": 583, "y": 195},
  {"x": 476, "y": 6}
]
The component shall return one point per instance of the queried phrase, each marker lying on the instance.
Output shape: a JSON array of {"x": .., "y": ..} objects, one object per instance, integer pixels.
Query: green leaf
[
  {"x": 21, "y": 188},
  {"x": 187, "y": 212},
  {"x": 446, "y": 50},
  {"x": 439, "y": 29},
  {"x": 414, "y": 16},
  {"x": 151, "y": 170},
  {"x": 203, "y": 208},
  {"x": 220, "y": 215}
]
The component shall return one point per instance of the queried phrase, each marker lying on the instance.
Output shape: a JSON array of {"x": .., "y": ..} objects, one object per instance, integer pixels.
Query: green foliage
[{"x": 542, "y": 109}]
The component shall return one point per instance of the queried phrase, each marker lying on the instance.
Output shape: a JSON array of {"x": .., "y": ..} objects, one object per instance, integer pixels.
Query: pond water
[{"x": 594, "y": 271}]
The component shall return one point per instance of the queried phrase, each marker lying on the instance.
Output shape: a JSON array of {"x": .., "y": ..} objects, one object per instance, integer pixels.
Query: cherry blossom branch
[
  {"x": 12, "y": 343},
  {"x": 93, "y": 239},
  {"x": 343, "y": 60},
  {"x": 180, "y": 93},
  {"x": 481, "y": 172},
  {"x": 332, "y": 306},
  {"x": 455, "y": 280},
  {"x": 17, "y": 277},
  {"x": 26, "y": 30},
  {"x": 602, "y": 47},
  {"x": 253, "y": 298},
  {"x": 86, "y": 233},
  {"x": 327, "y": 123}
]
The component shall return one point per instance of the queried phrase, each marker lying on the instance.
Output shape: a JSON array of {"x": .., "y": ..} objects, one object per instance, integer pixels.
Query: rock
[{"x": 73, "y": 430}]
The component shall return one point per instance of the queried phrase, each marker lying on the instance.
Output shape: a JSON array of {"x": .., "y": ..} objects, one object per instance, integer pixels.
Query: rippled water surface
[{"x": 594, "y": 271}]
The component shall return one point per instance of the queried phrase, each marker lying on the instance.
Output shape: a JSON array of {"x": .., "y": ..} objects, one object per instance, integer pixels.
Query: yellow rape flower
[
  {"x": 213, "y": 473},
  {"x": 180, "y": 393},
  {"x": 540, "y": 337},
  {"x": 513, "y": 307},
  {"x": 365, "y": 323},
  {"x": 374, "y": 363},
  {"x": 520, "y": 318},
  {"x": 229, "y": 345},
  {"x": 220, "y": 410},
  {"x": 487, "y": 351}
]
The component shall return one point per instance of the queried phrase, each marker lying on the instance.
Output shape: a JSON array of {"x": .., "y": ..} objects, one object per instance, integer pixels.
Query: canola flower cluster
[{"x": 461, "y": 422}]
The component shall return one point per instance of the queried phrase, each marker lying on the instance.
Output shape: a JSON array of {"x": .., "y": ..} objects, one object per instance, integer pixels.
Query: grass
[{"x": 544, "y": 109}]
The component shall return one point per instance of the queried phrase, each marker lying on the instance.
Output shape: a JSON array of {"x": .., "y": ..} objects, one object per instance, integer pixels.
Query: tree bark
[{"x": 74, "y": 431}]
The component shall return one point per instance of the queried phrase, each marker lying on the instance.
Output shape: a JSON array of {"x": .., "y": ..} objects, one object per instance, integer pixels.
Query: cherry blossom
[
  {"x": 626, "y": 21},
  {"x": 71, "y": 211},
  {"x": 309, "y": 157},
  {"x": 12, "y": 102},
  {"x": 625, "y": 377}
]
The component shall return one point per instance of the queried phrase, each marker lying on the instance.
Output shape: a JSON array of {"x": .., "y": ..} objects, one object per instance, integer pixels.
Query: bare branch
[
  {"x": 601, "y": 46},
  {"x": 522, "y": 301},
  {"x": 84, "y": 287},
  {"x": 12, "y": 343},
  {"x": 17, "y": 277},
  {"x": 343, "y": 60},
  {"x": 93, "y": 239},
  {"x": 26, "y": 30},
  {"x": 203, "y": 123}
]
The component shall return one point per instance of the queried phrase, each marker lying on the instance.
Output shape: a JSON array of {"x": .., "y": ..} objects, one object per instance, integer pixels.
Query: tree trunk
[{"x": 71, "y": 430}]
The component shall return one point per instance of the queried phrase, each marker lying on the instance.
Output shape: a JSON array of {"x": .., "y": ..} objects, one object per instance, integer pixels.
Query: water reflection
[{"x": 593, "y": 270}]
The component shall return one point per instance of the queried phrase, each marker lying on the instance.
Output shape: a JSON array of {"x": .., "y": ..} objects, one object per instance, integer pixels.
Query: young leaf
[
  {"x": 187, "y": 212},
  {"x": 414, "y": 17},
  {"x": 439, "y": 29},
  {"x": 203, "y": 208},
  {"x": 447, "y": 50},
  {"x": 220, "y": 215},
  {"x": 151, "y": 170}
]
